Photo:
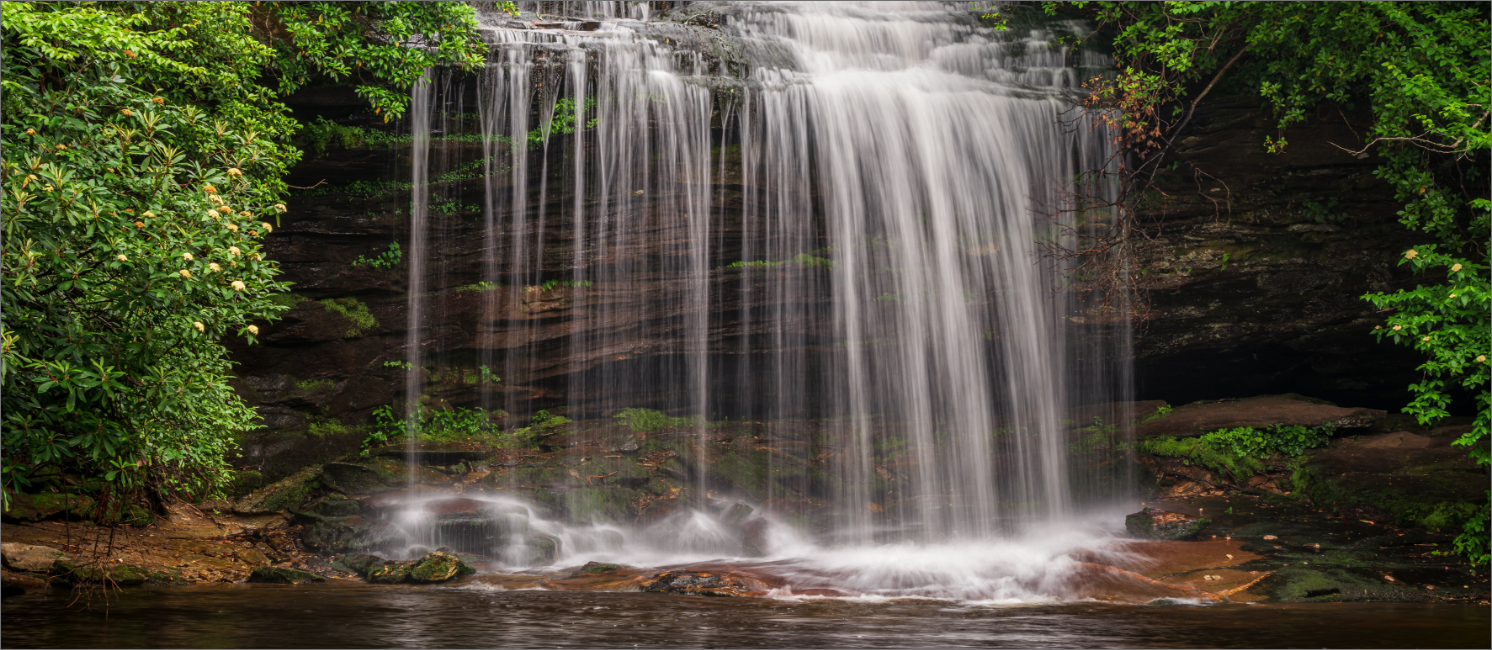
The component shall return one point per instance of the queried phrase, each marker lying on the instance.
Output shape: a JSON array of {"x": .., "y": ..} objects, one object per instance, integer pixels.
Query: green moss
[
  {"x": 355, "y": 312},
  {"x": 320, "y": 428},
  {"x": 477, "y": 287},
  {"x": 288, "y": 300},
  {"x": 315, "y": 385},
  {"x": 1197, "y": 451},
  {"x": 641, "y": 420}
]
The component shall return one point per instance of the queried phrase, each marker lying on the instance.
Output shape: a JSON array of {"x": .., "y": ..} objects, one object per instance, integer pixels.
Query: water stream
[{"x": 823, "y": 213}]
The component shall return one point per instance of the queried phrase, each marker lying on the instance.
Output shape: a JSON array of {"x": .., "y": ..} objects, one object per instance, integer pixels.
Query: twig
[{"x": 297, "y": 187}]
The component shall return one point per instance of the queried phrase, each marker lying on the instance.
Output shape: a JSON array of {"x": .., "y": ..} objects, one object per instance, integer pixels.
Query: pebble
[
  {"x": 1388, "y": 578},
  {"x": 1269, "y": 537}
]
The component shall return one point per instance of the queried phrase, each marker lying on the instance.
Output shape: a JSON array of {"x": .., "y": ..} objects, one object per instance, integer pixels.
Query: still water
[{"x": 366, "y": 616}]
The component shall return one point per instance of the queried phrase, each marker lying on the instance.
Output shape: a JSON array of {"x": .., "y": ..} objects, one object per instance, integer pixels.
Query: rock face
[
  {"x": 1254, "y": 268},
  {"x": 1169, "y": 526},
  {"x": 1254, "y": 264}
]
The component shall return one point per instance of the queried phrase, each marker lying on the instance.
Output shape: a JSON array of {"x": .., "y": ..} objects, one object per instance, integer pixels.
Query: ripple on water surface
[{"x": 355, "y": 615}]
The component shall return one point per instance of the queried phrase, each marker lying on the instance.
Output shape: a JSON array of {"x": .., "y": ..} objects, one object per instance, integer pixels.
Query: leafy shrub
[{"x": 143, "y": 163}]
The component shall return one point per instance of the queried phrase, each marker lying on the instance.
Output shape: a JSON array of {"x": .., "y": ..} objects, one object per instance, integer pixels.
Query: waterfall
[{"x": 823, "y": 219}]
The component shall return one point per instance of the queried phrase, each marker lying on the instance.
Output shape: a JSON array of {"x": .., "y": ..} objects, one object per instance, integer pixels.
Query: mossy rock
[
  {"x": 1159, "y": 524},
  {"x": 124, "y": 575},
  {"x": 438, "y": 566},
  {"x": 285, "y": 494},
  {"x": 245, "y": 482},
  {"x": 36, "y": 507},
  {"x": 356, "y": 563},
  {"x": 388, "y": 573},
  {"x": 351, "y": 478},
  {"x": 282, "y": 576}
]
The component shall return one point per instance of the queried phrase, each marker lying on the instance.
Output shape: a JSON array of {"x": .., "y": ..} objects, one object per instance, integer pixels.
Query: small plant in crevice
[
  {"x": 389, "y": 258},
  {"x": 550, "y": 285}
]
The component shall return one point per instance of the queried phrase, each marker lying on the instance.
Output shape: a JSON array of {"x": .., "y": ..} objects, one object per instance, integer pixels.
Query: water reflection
[{"x": 356, "y": 615}]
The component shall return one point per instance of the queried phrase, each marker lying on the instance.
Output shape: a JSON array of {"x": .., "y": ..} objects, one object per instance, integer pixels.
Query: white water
[{"x": 909, "y": 160}]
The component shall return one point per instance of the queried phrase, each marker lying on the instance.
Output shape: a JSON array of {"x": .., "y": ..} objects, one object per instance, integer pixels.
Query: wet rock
[
  {"x": 388, "y": 573},
  {"x": 438, "y": 566},
  {"x": 25, "y": 557},
  {"x": 285, "y": 494},
  {"x": 356, "y": 563},
  {"x": 353, "y": 479},
  {"x": 16, "y": 584},
  {"x": 1160, "y": 524},
  {"x": 282, "y": 576},
  {"x": 124, "y": 575},
  {"x": 1203, "y": 417},
  {"x": 592, "y": 568},
  {"x": 703, "y": 583},
  {"x": 735, "y": 514}
]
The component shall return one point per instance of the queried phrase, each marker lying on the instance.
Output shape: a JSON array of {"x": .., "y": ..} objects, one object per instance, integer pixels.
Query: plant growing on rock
[{"x": 142, "y": 169}]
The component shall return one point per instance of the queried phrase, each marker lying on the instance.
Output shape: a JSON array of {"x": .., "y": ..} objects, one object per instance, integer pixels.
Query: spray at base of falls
[{"x": 837, "y": 222}]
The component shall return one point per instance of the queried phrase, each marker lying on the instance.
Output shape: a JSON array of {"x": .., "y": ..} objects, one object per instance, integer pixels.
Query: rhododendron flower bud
[
  {"x": 186, "y": 274},
  {"x": 200, "y": 327},
  {"x": 254, "y": 329},
  {"x": 238, "y": 285},
  {"x": 186, "y": 256}
]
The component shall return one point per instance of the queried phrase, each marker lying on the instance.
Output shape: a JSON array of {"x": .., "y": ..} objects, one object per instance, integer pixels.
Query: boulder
[
  {"x": 704, "y": 583},
  {"x": 16, "y": 584},
  {"x": 1266, "y": 410},
  {"x": 388, "y": 573},
  {"x": 350, "y": 478},
  {"x": 356, "y": 563},
  {"x": 26, "y": 557},
  {"x": 282, "y": 576},
  {"x": 284, "y": 494},
  {"x": 438, "y": 566},
  {"x": 1160, "y": 524}
]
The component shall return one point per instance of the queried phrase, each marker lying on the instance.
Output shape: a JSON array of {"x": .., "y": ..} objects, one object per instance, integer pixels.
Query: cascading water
[{"x": 823, "y": 221}]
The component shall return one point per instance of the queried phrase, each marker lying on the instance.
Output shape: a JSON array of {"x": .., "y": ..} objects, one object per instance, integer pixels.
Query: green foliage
[
  {"x": 802, "y": 259},
  {"x": 1423, "y": 69},
  {"x": 478, "y": 287},
  {"x": 355, "y": 312},
  {"x": 437, "y": 425},
  {"x": 402, "y": 365},
  {"x": 323, "y": 132},
  {"x": 1288, "y": 440},
  {"x": 550, "y": 285},
  {"x": 143, "y": 162},
  {"x": 640, "y": 420},
  {"x": 388, "y": 259},
  {"x": 1240, "y": 451},
  {"x": 1163, "y": 411},
  {"x": 331, "y": 39},
  {"x": 563, "y": 121}
]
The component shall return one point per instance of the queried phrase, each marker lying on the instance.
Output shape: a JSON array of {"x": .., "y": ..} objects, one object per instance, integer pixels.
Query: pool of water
[{"x": 357, "y": 615}]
